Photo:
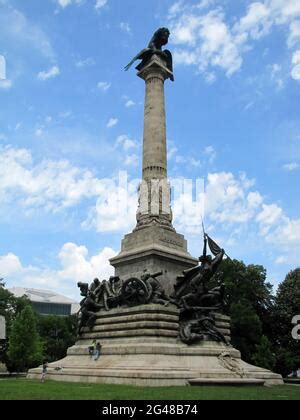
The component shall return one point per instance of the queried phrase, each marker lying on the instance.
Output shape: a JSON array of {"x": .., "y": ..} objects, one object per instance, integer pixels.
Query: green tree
[
  {"x": 249, "y": 304},
  {"x": 264, "y": 355},
  {"x": 287, "y": 305},
  {"x": 57, "y": 333},
  {"x": 10, "y": 307},
  {"x": 24, "y": 347}
]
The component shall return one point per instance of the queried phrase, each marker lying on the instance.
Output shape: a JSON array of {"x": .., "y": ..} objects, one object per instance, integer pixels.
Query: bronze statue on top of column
[{"x": 158, "y": 40}]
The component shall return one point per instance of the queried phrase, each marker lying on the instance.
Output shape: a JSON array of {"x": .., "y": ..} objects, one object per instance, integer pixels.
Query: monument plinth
[{"x": 154, "y": 244}]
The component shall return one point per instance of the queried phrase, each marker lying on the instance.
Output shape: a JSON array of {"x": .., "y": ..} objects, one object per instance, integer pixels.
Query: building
[{"x": 45, "y": 302}]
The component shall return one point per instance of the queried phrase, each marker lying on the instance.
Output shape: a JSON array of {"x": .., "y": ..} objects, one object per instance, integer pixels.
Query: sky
[{"x": 71, "y": 126}]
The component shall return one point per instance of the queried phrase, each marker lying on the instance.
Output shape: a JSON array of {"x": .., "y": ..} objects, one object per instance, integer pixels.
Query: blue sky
[{"x": 71, "y": 119}]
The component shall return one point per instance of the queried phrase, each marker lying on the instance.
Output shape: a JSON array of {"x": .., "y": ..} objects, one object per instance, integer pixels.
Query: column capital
[{"x": 156, "y": 66}]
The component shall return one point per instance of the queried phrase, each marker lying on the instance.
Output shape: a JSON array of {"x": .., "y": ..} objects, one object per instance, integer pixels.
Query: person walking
[{"x": 44, "y": 371}]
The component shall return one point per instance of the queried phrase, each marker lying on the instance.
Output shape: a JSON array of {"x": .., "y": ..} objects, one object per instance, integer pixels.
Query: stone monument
[{"x": 157, "y": 320}]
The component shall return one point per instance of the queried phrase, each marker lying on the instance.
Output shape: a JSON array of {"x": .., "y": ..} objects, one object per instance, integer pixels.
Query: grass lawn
[{"x": 23, "y": 389}]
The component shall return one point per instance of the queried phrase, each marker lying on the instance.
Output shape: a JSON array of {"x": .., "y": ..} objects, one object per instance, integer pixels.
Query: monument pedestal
[
  {"x": 156, "y": 249},
  {"x": 140, "y": 346}
]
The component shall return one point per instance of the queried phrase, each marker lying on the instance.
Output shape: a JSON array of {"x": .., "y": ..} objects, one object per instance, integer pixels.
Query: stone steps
[
  {"x": 162, "y": 317},
  {"x": 155, "y": 309},
  {"x": 131, "y": 333},
  {"x": 141, "y": 325}
]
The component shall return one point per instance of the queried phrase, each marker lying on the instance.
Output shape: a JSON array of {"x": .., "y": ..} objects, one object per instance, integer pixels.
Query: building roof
[{"x": 44, "y": 296}]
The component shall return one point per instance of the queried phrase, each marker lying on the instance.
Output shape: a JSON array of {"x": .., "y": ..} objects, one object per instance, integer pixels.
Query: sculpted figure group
[
  {"x": 106, "y": 295},
  {"x": 197, "y": 302}
]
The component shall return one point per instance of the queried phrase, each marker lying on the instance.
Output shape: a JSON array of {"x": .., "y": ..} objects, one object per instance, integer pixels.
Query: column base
[{"x": 156, "y": 249}]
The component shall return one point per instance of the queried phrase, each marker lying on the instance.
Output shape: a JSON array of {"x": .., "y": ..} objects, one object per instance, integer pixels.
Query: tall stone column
[
  {"x": 154, "y": 244},
  {"x": 154, "y": 141},
  {"x": 154, "y": 194}
]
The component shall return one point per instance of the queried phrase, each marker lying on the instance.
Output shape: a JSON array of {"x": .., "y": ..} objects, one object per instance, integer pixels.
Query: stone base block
[
  {"x": 155, "y": 249},
  {"x": 132, "y": 356}
]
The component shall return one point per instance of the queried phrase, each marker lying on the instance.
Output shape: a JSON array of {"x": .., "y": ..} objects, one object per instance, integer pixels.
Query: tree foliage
[
  {"x": 249, "y": 304},
  {"x": 57, "y": 334},
  {"x": 24, "y": 348},
  {"x": 264, "y": 356}
]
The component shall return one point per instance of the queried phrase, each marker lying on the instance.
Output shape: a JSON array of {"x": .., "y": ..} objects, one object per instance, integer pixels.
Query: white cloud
[
  {"x": 295, "y": 73},
  {"x": 207, "y": 155},
  {"x": 276, "y": 75},
  {"x": 115, "y": 210},
  {"x": 45, "y": 75},
  {"x": 292, "y": 166},
  {"x": 104, "y": 85},
  {"x": 269, "y": 215},
  {"x": 172, "y": 151},
  {"x": 256, "y": 23},
  {"x": 38, "y": 132},
  {"x": 112, "y": 122},
  {"x": 125, "y": 27},
  {"x": 211, "y": 153},
  {"x": 228, "y": 198},
  {"x": 6, "y": 84},
  {"x": 85, "y": 63},
  {"x": 185, "y": 57},
  {"x": 131, "y": 160},
  {"x": 100, "y": 3},
  {"x": 281, "y": 260},
  {"x": 17, "y": 28},
  {"x": 126, "y": 142},
  {"x": 130, "y": 103},
  {"x": 294, "y": 35},
  {"x": 75, "y": 265},
  {"x": 9, "y": 265},
  {"x": 65, "y": 3},
  {"x": 175, "y": 9},
  {"x": 210, "y": 41},
  {"x": 65, "y": 114},
  {"x": 207, "y": 40},
  {"x": 2, "y": 68},
  {"x": 189, "y": 160},
  {"x": 210, "y": 78},
  {"x": 49, "y": 185}
]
